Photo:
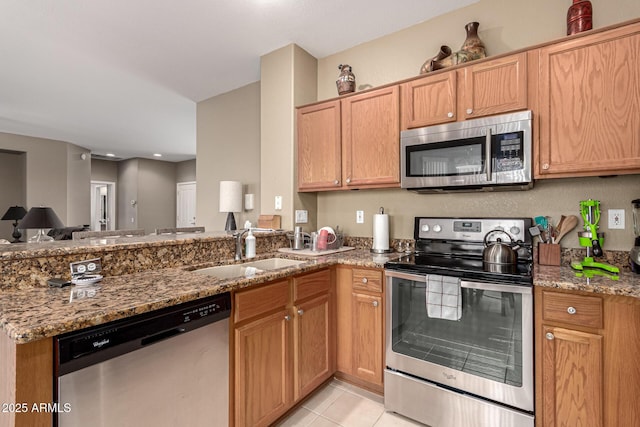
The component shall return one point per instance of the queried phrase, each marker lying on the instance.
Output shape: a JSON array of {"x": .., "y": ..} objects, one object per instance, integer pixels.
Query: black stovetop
[{"x": 467, "y": 264}]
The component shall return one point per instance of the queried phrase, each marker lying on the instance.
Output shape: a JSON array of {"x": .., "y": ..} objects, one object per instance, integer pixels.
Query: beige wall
[
  {"x": 126, "y": 192},
  {"x": 156, "y": 194},
  {"x": 54, "y": 175},
  {"x": 12, "y": 179},
  {"x": 104, "y": 170},
  {"x": 504, "y": 26},
  {"x": 228, "y": 148},
  {"x": 186, "y": 171}
]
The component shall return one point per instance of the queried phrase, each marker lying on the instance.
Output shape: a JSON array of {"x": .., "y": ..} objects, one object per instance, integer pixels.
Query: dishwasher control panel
[{"x": 92, "y": 345}]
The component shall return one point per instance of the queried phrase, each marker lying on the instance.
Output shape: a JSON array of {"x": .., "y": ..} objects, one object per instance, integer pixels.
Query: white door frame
[{"x": 111, "y": 204}]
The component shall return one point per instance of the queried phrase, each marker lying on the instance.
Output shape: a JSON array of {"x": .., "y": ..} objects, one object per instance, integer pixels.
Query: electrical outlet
[
  {"x": 278, "y": 203},
  {"x": 302, "y": 217},
  {"x": 616, "y": 219},
  {"x": 359, "y": 217}
]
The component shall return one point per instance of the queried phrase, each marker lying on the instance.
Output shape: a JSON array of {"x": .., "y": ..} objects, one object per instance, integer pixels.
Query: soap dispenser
[{"x": 250, "y": 245}]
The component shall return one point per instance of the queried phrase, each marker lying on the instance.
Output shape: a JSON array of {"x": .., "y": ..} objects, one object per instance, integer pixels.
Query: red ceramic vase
[{"x": 579, "y": 17}]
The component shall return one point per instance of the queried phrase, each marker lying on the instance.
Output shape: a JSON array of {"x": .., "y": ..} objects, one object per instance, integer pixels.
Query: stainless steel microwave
[{"x": 489, "y": 153}]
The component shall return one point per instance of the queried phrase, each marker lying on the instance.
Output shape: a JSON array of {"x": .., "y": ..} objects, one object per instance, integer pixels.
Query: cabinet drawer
[
  {"x": 367, "y": 280},
  {"x": 578, "y": 310},
  {"x": 254, "y": 302},
  {"x": 311, "y": 284}
]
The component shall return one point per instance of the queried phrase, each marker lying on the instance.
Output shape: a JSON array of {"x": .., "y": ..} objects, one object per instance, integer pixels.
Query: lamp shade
[
  {"x": 40, "y": 218},
  {"x": 14, "y": 213},
  {"x": 230, "y": 196}
]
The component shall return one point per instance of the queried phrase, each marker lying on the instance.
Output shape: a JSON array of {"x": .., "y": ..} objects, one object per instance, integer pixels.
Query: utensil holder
[{"x": 549, "y": 254}]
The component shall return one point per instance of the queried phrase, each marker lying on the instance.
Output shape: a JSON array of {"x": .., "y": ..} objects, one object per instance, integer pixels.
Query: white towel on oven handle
[{"x": 443, "y": 297}]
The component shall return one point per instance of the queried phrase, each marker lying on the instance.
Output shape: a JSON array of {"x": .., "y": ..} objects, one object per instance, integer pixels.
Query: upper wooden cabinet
[
  {"x": 350, "y": 143},
  {"x": 475, "y": 90},
  {"x": 589, "y": 105},
  {"x": 493, "y": 87},
  {"x": 371, "y": 139},
  {"x": 319, "y": 147},
  {"x": 428, "y": 101}
]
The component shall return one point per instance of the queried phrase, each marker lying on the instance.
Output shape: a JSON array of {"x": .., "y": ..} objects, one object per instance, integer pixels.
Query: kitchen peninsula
[{"x": 142, "y": 274}]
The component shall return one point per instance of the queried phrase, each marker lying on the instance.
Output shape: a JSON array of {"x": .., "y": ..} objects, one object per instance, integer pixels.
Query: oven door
[{"x": 488, "y": 352}]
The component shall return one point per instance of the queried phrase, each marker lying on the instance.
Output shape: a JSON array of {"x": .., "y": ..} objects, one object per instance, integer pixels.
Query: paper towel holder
[{"x": 381, "y": 251}]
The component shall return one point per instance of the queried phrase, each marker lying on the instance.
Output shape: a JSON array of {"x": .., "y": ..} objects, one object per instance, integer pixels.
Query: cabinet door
[
  {"x": 494, "y": 87},
  {"x": 263, "y": 388},
  {"x": 319, "y": 148},
  {"x": 371, "y": 139},
  {"x": 590, "y": 105},
  {"x": 429, "y": 101},
  {"x": 314, "y": 350},
  {"x": 572, "y": 378},
  {"x": 367, "y": 337}
]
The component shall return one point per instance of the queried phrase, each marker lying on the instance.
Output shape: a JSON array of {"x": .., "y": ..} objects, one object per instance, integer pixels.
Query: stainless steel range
[{"x": 459, "y": 344}]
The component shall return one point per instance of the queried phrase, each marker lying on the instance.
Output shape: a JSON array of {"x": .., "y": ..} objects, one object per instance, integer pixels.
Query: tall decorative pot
[{"x": 579, "y": 17}]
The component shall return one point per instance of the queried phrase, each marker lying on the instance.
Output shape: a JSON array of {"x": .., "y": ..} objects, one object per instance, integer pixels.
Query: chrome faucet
[{"x": 238, "y": 236}]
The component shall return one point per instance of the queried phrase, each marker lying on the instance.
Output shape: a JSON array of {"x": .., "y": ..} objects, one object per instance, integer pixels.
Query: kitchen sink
[{"x": 248, "y": 269}]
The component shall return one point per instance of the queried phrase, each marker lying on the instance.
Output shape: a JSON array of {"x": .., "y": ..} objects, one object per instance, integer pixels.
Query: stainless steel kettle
[{"x": 499, "y": 252}]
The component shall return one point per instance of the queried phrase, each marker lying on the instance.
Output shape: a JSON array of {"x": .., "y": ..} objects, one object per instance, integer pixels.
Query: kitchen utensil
[
  {"x": 534, "y": 231},
  {"x": 498, "y": 253},
  {"x": 565, "y": 225},
  {"x": 299, "y": 238}
]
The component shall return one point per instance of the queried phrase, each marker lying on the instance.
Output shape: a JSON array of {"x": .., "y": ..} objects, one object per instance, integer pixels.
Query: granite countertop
[
  {"x": 31, "y": 314},
  {"x": 628, "y": 284}
]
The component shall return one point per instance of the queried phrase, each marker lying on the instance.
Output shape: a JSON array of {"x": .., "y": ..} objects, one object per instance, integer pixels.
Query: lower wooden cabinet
[
  {"x": 360, "y": 310},
  {"x": 284, "y": 345},
  {"x": 587, "y": 372},
  {"x": 262, "y": 370}
]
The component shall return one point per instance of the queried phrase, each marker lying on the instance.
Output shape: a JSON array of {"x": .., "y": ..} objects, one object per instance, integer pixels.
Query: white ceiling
[{"x": 124, "y": 76}]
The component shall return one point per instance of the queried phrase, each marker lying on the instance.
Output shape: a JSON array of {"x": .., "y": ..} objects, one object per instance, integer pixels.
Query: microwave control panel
[{"x": 508, "y": 151}]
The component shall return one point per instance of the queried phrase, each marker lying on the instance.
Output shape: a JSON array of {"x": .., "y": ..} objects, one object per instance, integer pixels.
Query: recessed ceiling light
[
  {"x": 157, "y": 155},
  {"x": 110, "y": 155}
]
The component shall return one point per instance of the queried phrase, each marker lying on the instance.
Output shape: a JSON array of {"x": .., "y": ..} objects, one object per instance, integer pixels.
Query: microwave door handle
[{"x": 487, "y": 154}]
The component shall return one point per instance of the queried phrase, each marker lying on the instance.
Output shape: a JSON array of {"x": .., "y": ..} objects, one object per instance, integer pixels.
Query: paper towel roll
[{"x": 380, "y": 232}]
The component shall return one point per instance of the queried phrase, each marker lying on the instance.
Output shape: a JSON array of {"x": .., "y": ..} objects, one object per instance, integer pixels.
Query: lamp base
[
  {"x": 40, "y": 237},
  {"x": 231, "y": 222},
  {"x": 16, "y": 233}
]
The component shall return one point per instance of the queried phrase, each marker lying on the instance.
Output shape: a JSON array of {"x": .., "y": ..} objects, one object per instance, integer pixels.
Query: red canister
[{"x": 323, "y": 237}]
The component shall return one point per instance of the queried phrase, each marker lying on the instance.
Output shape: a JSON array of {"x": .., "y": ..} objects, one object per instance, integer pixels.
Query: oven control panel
[{"x": 470, "y": 229}]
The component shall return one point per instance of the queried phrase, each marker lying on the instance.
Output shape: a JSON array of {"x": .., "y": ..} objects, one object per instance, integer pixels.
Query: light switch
[
  {"x": 278, "y": 203},
  {"x": 359, "y": 217}
]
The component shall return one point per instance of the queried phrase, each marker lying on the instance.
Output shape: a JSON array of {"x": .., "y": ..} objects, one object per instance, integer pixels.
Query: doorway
[
  {"x": 103, "y": 205},
  {"x": 186, "y": 204}
]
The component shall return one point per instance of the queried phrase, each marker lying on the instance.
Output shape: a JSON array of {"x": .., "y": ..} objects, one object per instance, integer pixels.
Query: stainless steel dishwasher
[{"x": 164, "y": 368}]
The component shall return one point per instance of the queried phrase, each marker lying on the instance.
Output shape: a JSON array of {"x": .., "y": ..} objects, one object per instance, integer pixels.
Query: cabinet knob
[
  {"x": 348, "y": 180},
  {"x": 336, "y": 182},
  {"x": 365, "y": 280},
  {"x": 571, "y": 310},
  {"x": 375, "y": 303},
  {"x": 450, "y": 114},
  {"x": 469, "y": 110},
  {"x": 287, "y": 317},
  {"x": 300, "y": 312},
  {"x": 549, "y": 336},
  {"x": 545, "y": 166}
]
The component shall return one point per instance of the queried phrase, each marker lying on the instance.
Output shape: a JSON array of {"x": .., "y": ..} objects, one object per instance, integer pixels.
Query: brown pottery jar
[{"x": 346, "y": 80}]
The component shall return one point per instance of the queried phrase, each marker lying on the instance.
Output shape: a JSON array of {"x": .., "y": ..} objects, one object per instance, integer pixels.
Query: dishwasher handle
[{"x": 160, "y": 336}]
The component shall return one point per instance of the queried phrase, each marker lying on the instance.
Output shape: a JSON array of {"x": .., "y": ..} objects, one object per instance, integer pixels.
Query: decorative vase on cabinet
[{"x": 579, "y": 17}]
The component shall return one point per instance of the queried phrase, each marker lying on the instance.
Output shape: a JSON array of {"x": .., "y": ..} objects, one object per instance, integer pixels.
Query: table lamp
[
  {"x": 40, "y": 218},
  {"x": 230, "y": 201},
  {"x": 15, "y": 213}
]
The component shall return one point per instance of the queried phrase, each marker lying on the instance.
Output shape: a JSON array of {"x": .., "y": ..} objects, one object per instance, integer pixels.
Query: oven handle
[{"x": 516, "y": 289}]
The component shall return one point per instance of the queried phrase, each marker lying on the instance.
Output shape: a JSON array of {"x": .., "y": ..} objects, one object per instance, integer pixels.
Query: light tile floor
[{"x": 342, "y": 404}]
